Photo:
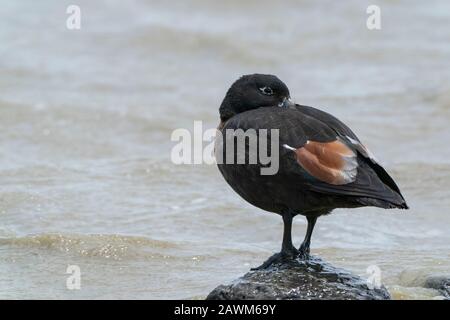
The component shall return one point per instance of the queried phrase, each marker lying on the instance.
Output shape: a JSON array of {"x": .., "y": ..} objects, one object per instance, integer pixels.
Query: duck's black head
[{"x": 254, "y": 91}]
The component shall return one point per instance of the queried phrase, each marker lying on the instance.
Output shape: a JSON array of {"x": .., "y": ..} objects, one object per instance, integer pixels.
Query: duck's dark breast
[
  {"x": 273, "y": 193},
  {"x": 280, "y": 191}
]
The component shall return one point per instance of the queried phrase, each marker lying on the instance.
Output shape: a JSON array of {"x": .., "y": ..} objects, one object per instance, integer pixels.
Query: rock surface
[
  {"x": 440, "y": 283},
  {"x": 313, "y": 279}
]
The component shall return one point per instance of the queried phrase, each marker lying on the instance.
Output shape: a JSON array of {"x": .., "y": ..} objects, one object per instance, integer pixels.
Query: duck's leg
[
  {"x": 288, "y": 251},
  {"x": 287, "y": 247},
  {"x": 304, "y": 248}
]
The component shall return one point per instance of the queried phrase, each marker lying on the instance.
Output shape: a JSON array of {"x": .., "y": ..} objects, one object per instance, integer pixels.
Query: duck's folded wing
[
  {"x": 346, "y": 134},
  {"x": 335, "y": 168},
  {"x": 342, "y": 165}
]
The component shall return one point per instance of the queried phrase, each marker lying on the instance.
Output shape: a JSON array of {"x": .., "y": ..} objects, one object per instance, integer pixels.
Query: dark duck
[{"x": 322, "y": 163}]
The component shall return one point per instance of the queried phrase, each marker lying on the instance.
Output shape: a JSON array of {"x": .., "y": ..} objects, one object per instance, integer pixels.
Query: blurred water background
[{"x": 86, "y": 117}]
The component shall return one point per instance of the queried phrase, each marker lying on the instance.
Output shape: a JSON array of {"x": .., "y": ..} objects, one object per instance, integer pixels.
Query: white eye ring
[{"x": 266, "y": 90}]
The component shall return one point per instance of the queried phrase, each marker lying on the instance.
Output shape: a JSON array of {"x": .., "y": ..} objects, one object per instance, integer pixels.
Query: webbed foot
[
  {"x": 303, "y": 252},
  {"x": 278, "y": 258}
]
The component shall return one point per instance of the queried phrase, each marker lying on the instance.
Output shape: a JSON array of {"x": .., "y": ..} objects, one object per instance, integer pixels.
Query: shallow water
[{"x": 86, "y": 118}]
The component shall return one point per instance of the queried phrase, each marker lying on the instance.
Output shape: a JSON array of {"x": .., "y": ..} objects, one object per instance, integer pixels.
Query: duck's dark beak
[{"x": 286, "y": 103}]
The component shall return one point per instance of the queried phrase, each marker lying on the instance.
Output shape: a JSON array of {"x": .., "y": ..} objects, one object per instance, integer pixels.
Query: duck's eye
[{"x": 266, "y": 90}]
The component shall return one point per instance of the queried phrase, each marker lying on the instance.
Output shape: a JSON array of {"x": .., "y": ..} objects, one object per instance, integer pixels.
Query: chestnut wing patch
[{"x": 331, "y": 162}]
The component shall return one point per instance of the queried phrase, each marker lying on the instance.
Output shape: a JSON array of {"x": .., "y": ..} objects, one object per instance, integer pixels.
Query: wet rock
[
  {"x": 314, "y": 279},
  {"x": 440, "y": 283}
]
